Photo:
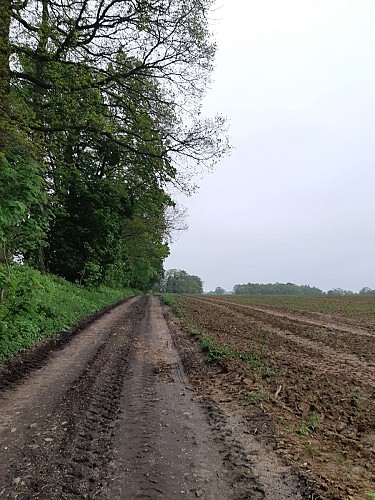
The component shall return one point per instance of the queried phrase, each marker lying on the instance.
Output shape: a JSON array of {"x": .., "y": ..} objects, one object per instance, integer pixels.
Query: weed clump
[
  {"x": 214, "y": 352},
  {"x": 254, "y": 397},
  {"x": 311, "y": 425}
]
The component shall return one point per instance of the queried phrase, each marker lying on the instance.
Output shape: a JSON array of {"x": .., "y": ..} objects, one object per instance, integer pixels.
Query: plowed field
[{"x": 303, "y": 372}]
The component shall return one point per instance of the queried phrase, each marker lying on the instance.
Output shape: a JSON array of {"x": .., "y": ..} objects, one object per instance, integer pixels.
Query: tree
[
  {"x": 118, "y": 47},
  {"x": 179, "y": 281},
  {"x": 109, "y": 95},
  {"x": 366, "y": 291},
  {"x": 219, "y": 290},
  {"x": 339, "y": 292},
  {"x": 20, "y": 182},
  {"x": 5, "y": 20}
]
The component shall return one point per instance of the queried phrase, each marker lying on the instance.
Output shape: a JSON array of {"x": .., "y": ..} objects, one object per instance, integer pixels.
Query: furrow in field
[
  {"x": 346, "y": 345},
  {"x": 356, "y": 315},
  {"x": 322, "y": 400},
  {"x": 324, "y": 320}
]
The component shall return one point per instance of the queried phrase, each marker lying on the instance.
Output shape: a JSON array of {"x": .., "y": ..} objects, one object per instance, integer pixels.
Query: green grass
[
  {"x": 254, "y": 397},
  {"x": 38, "y": 306},
  {"x": 311, "y": 425},
  {"x": 214, "y": 351},
  {"x": 169, "y": 299},
  {"x": 172, "y": 300}
]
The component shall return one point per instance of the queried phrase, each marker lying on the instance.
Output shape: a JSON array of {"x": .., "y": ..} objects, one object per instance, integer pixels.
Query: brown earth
[
  {"x": 126, "y": 408},
  {"x": 313, "y": 377}
]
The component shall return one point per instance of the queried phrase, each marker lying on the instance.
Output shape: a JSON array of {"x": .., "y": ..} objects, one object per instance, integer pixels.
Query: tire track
[
  {"x": 15, "y": 370},
  {"x": 113, "y": 415},
  {"x": 164, "y": 447},
  {"x": 63, "y": 415}
]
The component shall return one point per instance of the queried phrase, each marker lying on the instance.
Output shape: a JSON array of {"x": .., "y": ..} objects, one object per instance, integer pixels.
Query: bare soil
[
  {"x": 313, "y": 377},
  {"x": 124, "y": 407}
]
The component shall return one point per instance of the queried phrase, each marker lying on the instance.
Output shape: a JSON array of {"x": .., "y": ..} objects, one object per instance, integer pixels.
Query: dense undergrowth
[{"x": 37, "y": 306}]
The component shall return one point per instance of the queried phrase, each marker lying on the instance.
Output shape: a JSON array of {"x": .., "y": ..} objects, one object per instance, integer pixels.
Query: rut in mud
[{"x": 113, "y": 414}]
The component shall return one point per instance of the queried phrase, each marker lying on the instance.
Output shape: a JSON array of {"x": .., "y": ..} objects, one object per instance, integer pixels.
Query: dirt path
[
  {"x": 163, "y": 446},
  {"x": 113, "y": 415}
]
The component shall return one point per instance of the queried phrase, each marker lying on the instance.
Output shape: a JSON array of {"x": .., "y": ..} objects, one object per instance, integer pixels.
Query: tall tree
[
  {"x": 5, "y": 20},
  {"x": 109, "y": 93},
  {"x": 120, "y": 45},
  {"x": 179, "y": 281}
]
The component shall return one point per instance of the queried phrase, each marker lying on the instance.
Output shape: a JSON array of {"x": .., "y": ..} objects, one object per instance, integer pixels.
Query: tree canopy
[
  {"x": 179, "y": 281},
  {"x": 366, "y": 291},
  {"x": 99, "y": 118}
]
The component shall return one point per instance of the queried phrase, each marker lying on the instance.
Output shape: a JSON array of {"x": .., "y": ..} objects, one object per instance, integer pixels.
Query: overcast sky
[{"x": 295, "y": 201}]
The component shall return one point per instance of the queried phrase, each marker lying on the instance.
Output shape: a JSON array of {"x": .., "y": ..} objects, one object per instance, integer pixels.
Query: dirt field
[
  {"x": 309, "y": 367},
  {"x": 125, "y": 407}
]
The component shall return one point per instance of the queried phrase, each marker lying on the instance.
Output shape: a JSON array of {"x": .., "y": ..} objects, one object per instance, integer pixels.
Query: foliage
[
  {"x": 23, "y": 219},
  {"x": 169, "y": 299},
  {"x": 213, "y": 352},
  {"x": 178, "y": 281},
  {"x": 99, "y": 114},
  {"x": 367, "y": 291},
  {"x": 255, "y": 358},
  {"x": 254, "y": 396},
  {"x": 339, "y": 292},
  {"x": 276, "y": 289},
  {"x": 105, "y": 100},
  {"x": 39, "y": 305}
]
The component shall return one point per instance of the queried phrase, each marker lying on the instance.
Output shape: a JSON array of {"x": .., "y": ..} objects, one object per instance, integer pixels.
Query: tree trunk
[
  {"x": 4, "y": 98},
  {"x": 4, "y": 72},
  {"x": 38, "y": 102}
]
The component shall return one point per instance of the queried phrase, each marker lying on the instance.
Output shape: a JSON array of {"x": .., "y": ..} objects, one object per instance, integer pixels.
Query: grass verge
[{"x": 38, "y": 306}]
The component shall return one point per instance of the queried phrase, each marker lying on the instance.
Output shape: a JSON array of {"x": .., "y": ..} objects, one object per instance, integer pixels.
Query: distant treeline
[
  {"x": 292, "y": 289},
  {"x": 276, "y": 289}
]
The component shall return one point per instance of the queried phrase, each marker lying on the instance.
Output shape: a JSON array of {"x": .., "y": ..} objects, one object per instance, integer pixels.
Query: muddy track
[
  {"x": 56, "y": 428},
  {"x": 124, "y": 409},
  {"x": 11, "y": 372}
]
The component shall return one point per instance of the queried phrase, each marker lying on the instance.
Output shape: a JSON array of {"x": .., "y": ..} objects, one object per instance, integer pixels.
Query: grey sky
[{"x": 295, "y": 200}]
